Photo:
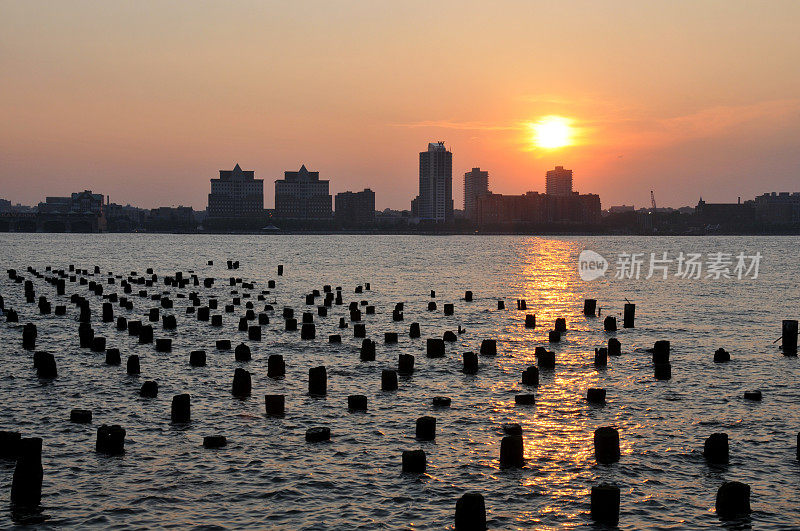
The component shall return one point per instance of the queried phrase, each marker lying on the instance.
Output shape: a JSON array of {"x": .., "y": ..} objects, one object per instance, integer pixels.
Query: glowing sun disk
[{"x": 551, "y": 132}]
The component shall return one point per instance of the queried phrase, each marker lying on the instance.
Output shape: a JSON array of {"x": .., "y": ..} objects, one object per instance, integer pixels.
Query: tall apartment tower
[
  {"x": 476, "y": 184},
  {"x": 237, "y": 193},
  {"x": 558, "y": 181},
  {"x": 435, "y": 200}
]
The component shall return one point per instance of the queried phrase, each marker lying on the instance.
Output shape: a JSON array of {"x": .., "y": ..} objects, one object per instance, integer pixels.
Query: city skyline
[
  {"x": 175, "y": 91},
  {"x": 223, "y": 201},
  {"x": 556, "y": 181}
]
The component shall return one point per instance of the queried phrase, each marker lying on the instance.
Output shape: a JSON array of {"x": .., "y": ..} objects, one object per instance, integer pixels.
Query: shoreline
[{"x": 425, "y": 233}]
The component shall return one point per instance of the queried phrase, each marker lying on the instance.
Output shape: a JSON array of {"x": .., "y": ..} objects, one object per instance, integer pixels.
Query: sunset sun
[{"x": 551, "y": 132}]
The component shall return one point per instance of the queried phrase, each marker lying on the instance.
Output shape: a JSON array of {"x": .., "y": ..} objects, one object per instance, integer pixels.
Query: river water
[{"x": 270, "y": 477}]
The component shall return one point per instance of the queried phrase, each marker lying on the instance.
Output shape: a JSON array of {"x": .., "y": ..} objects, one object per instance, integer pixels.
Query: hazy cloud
[
  {"x": 631, "y": 128},
  {"x": 463, "y": 126},
  {"x": 722, "y": 120}
]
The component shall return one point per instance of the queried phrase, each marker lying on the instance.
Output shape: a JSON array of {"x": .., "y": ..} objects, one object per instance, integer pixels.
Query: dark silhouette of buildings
[
  {"x": 302, "y": 195},
  {"x": 78, "y": 203},
  {"x": 559, "y": 206},
  {"x": 476, "y": 184},
  {"x": 558, "y": 181},
  {"x": 236, "y": 194},
  {"x": 533, "y": 208},
  {"x": 725, "y": 213},
  {"x": 172, "y": 219},
  {"x": 780, "y": 208},
  {"x": 125, "y": 218},
  {"x": 435, "y": 200},
  {"x": 303, "y": 203},
  {"x": 80, "y": 212},
  {"x": 619, "y": 209},
  {"x": 355, "y": 209},
  {"x": 87, "y": 202},
  {"x": 55, "y": 204}
]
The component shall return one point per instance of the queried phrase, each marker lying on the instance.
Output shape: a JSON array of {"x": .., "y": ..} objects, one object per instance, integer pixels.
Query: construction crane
[{"x": 653, "y": 200}]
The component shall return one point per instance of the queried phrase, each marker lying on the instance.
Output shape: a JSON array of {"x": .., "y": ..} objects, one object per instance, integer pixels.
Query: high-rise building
[
  {"x": 558, "y": 181},
  {"x": 302, "y": 195},
  {"x": 476, "y": 184},
  {"x": 236, "y": 194},
  {"x": 435, "y": 200},
  {"x": 355, "y": 209}
]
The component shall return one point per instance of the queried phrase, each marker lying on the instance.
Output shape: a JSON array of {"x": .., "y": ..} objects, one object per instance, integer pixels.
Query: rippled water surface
[{"x": 269, "y": 477}]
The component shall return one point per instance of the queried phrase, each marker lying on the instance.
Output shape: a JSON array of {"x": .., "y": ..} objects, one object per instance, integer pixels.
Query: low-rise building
[
  {"x": 125, "y": 218},
  {"x": 778, "y": 208},
  {"x": 534, "y": 208},
  {"x": 725, "y": 213},
  {"x": 78, "y": 203},
  {"x": 619, "y": 209},
  {"x": 172, "y": 218},
  {"x": 355, "y": 209}
]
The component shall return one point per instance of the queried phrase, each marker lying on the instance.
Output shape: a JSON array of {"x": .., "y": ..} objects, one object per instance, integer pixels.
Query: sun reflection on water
[{"x": 558, "y": 430}]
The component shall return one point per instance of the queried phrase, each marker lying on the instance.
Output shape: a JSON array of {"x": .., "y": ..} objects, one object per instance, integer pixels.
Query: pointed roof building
[
  {"x": 303, "y": 195},
  {"x": 301, "y": 175},
  {"x": 236, "y": 174},
  {"x": 236, "y": 194}
]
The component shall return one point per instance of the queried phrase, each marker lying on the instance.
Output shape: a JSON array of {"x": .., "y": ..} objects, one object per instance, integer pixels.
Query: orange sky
[{"x": 146, "y": 101}]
